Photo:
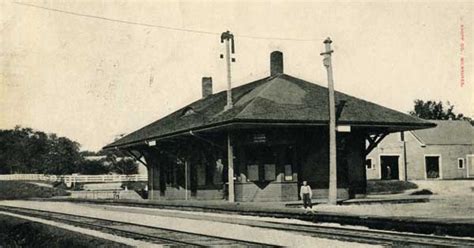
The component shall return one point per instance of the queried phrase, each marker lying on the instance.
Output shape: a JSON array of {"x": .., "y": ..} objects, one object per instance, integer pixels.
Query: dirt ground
[{"x": 453, "y": 199}]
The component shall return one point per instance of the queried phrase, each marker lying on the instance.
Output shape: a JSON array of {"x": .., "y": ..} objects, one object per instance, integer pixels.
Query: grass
[
  {"x": 389, "y": 186},
  {"x": 16, "y": 232},
  {"x": 12, "y": 190}
]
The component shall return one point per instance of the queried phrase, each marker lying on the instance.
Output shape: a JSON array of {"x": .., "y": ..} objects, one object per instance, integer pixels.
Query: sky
[{"x": 92, "y": 70}]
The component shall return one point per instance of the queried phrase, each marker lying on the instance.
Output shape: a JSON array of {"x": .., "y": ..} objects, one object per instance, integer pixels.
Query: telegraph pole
[
  {"x": 404, "y": 143},
  {"x": 228, "y": 38},
  {"x": 332, "y": 197}
]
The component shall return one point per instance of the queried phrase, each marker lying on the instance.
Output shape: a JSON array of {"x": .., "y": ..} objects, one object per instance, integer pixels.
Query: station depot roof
[{"x": 275, "y": 100}]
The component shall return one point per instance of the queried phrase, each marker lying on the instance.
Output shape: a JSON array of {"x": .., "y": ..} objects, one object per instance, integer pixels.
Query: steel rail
[
  {"x": 367, "y": 235},
  {"x": 103, "y": 224}
]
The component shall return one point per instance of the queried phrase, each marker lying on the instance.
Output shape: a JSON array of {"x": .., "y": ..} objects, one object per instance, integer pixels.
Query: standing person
[
  {"x": 306, "y": 194},
  {"x": 389, "y": 172}
]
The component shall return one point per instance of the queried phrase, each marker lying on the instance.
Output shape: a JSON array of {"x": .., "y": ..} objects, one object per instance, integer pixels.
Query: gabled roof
[
  {"x": 275, "y": 99},
  {"x": 447, "y": 132}
]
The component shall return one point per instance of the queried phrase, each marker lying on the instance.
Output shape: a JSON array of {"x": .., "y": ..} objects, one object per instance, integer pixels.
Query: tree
[
  {"x": 121, "y": 163},
  {"x": 93, "y": 167},
  {"x": 125, "y": 166},
  {"x": 63, "y": 156},
  {"x": 433, "y": 110},
  {"x": 24, "y": 150}
]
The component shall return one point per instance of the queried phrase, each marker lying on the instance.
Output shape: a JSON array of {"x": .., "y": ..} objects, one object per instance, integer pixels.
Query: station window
[
  {"x": 288, "y": 172},
  {"x": 201, "y": 174},
  {"x": 269, "y": 172},
  {"x": 460, "y": 163},
  {"x": 368, "y": 164},
  {"x": 261, "y": 165},
  {"x": 265, "y": 172},
  {"x": 218, "y": 170},
  {"x": 253, "y": 172}
]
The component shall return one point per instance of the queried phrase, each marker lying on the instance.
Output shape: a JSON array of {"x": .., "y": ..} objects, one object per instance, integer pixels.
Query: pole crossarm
[{"x": 374, "y": 140}]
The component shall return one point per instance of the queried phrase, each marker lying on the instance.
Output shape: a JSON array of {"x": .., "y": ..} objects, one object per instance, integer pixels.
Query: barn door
[
  {"x": 470, "y": 165},
  {"x": 432, "y": 167}
]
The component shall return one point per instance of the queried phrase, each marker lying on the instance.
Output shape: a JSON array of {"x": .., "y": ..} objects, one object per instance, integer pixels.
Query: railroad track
[
  {"x": 365, "y": 235},
  {"x": 370, "y": 236},
  {"x": 155, "y": 235},
  {"x": 178, "y": 238}
]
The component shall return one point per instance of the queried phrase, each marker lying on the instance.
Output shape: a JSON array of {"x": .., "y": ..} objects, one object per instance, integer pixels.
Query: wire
[
  {"x": 156, "y": 26},
  {"x": 117, "y": 20}
]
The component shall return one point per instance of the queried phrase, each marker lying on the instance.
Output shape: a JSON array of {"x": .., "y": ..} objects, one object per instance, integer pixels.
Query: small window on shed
[
  {"x": 188, "y": 111},
  {"x": 460, "y": 163},
  {"x": 368, "y": 164}
]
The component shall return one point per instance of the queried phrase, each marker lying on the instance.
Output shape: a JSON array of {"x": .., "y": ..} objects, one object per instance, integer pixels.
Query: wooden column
[
  {"x": 153, "y": 163},
  {"x": 230, "y": 170},
  {"x": 187, "y": 180}
]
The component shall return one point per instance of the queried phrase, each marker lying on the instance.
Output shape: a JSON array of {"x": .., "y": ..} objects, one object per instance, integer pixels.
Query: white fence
[{"x": 74, "y": 178}]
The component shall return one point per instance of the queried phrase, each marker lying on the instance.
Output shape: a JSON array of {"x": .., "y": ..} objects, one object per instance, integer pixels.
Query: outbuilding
[
  {"x": 443, "y": 152},
  {"x": 274, "y": 137}
]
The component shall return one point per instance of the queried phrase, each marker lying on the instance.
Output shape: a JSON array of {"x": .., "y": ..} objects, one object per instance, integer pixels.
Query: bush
[
  {"x": 422, "y": 192},
  {"x": 388, "y": 187},
  {"x": 134, "y": 185},
  {"x": 11, "y": 190},
  {"x": 139, "y": 187}
]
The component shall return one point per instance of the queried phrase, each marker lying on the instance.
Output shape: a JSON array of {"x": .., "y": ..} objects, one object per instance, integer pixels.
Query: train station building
[{"x": 274, "y": 137}]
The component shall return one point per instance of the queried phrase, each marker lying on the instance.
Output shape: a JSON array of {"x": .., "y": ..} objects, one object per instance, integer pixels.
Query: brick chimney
[
  {"x": 206, "y": 86},
  {"x": 276, "y": 63}
]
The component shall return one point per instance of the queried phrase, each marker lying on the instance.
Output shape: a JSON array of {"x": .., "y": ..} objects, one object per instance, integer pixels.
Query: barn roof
[
  {"x": 447, "y": 132},
  {"x": 281, "y": 99}
]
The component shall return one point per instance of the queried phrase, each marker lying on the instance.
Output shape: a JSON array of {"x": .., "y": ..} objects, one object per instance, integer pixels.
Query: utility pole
[
  {"x": 404, "y": 143},
  {"x": 332, "y": 197},
  {"x": 228, "y": 38}
]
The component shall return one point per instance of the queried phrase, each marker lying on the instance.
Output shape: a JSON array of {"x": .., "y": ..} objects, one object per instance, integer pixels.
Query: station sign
[
  {"x": 259, "y": 138},
  {"x": 343, "y": 128}
]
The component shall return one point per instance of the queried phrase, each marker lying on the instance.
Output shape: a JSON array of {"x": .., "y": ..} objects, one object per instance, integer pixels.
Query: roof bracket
[
  {"x": 138, "y": 158},
  {"x": 374, "y": 140}
]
